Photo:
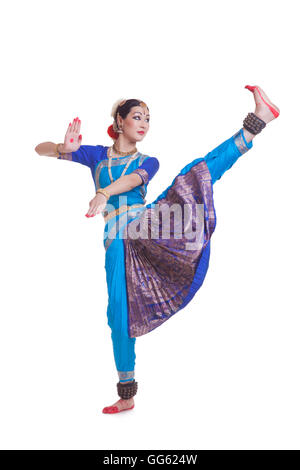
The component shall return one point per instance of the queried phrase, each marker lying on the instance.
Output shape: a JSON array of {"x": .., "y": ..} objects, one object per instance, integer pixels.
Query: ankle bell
[
  {"x": 253, "y": 124},
  {"x": 127, "y": 390}
]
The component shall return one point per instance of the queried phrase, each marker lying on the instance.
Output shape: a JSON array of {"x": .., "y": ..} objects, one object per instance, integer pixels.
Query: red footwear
[
  {"x": 114, "y": 409},
  {"x": 272, "y": 109}
]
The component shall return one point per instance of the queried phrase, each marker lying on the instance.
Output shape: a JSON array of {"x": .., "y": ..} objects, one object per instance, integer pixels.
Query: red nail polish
[
  {"x": 71, "y": 140},
  {"x": 80, "y": 137}
]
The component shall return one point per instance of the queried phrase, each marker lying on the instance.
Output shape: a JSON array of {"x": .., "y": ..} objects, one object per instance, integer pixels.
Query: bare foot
[
  {"x": 120, "y": 405},
  {"x": 265, "y": 109}
]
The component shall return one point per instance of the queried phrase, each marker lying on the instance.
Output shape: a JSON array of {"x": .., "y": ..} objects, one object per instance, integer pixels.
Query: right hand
[{"x": 73, "y": 139}]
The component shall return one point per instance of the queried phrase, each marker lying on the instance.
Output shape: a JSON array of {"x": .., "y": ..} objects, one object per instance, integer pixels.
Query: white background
[{"x": 224, "y": 372}]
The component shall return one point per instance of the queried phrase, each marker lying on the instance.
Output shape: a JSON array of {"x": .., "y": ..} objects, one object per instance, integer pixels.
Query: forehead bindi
[{"x": 139, "y": 112}]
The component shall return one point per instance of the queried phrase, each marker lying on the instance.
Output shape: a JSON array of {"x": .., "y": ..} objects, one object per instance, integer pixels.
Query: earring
[{"x": 119, "y": 129}]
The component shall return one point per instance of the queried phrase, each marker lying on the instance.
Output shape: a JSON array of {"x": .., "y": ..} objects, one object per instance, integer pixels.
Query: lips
[{"x": 141, "y": 132}]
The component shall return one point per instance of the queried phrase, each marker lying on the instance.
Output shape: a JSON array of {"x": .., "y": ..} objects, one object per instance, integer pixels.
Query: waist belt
[{"x": 109, "y": 215}]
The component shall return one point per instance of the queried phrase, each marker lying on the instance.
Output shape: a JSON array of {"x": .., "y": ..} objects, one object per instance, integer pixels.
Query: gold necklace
[
  {"x": 109, "y": 165},
  {"x": 124, "y": 154}
]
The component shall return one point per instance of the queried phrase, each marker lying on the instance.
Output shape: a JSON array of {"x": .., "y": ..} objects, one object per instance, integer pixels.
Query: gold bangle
[
  {"x": 57, "y": 152},
  {"x": 103, "y": 191}
]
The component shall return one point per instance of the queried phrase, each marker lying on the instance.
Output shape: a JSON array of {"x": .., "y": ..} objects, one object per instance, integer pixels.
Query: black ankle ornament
[
  {"x": 127, "y": 390},
  {"x": 253, "y": 124}
]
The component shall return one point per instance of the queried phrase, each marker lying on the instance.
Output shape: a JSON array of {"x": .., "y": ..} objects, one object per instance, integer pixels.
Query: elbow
[
  {"x": 37, "y": 150},
  {"x": 135, "y": 180}
]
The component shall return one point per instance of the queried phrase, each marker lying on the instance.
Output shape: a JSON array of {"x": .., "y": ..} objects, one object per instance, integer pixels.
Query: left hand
[{"x": 97, "y": 205}]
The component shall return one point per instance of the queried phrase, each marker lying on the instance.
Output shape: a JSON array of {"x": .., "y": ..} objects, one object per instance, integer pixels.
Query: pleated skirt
[{"x": 157, "y": 257}]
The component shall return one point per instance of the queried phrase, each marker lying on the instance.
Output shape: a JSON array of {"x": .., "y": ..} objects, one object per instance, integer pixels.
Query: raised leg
[{"x": 225, "y": 155}]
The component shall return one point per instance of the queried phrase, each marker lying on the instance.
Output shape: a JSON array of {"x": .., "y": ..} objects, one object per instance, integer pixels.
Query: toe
[
  {"x": 114, "y": 409},
  {"x": 110, "y": 409}
]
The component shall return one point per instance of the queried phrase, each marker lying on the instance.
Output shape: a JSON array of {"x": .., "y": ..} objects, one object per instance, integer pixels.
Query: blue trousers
[{"x": 123, "y": 345}]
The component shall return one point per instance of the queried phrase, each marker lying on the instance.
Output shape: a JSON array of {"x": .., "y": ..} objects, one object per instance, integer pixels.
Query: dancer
[{"x": 150, "y": 278}]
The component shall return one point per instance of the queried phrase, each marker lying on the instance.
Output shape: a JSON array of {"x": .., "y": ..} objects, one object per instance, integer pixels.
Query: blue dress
[{"x": 122, "y": 281}]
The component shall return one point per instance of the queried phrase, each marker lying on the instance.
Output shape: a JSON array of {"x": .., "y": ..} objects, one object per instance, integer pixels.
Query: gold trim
[
  {"x": 104, "y": 163},
  {"x": 132, "y": 157},
  {"x": 120, "y": 210},
  {"x": 239, "y": 142}
]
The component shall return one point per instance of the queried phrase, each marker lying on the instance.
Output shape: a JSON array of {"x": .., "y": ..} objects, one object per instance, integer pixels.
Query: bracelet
[
  {"x": 57, "y": 152},
  {"x": 103, "y": 191}
]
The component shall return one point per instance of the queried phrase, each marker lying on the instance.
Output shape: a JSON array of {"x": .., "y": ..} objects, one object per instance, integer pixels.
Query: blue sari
[{"x": 143, "y": 294}]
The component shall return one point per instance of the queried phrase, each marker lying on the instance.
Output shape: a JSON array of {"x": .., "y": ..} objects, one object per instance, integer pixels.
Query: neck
[{"x": 123, "y": 144}]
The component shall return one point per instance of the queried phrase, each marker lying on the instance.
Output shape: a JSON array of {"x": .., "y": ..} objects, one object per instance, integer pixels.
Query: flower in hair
[{"x": 120, "y": 102}]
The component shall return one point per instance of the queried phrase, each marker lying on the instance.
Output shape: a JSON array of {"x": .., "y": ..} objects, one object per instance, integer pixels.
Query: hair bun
[
  {"x": 115, "y": 106},
  {"x": 112, "y": 133}
]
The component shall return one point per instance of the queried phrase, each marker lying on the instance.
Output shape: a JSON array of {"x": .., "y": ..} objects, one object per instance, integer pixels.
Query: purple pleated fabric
[{"x": 162, "y": 275}]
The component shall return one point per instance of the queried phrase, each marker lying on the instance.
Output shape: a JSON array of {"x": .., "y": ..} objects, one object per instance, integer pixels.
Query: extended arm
[
  {"x": 46, "y": 148},
  {"x": 123, "y": 184},
  {"x": 142, "y": 175},
  {"x": 72, "y": 143}
]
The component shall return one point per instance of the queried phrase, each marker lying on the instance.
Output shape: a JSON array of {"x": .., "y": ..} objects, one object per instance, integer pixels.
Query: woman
[{"x": 150, "y": 278}]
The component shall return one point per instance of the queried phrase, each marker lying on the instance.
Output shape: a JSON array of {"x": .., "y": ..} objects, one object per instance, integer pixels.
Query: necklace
[
  {"x": 123, "y": 154},
  {"x": 109, "y": 164}
]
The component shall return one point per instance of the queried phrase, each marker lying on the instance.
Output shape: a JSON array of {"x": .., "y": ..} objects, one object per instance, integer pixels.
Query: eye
[{"x": 139, "y": 117}]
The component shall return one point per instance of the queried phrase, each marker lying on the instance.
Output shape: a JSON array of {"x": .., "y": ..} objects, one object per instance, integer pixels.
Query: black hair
[{"x": 124, "y": 110}]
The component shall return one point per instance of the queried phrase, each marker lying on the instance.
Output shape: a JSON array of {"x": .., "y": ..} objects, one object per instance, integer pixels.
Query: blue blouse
[{"x": 95, "y": 157}]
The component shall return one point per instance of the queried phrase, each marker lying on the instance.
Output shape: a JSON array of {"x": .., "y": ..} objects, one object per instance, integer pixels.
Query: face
[{"x": 136, "y": 124}]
